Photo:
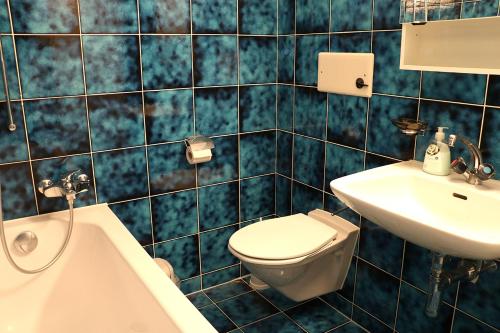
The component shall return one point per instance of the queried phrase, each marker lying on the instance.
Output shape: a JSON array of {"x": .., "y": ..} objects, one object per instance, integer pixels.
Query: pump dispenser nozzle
[{"x": 440, "y": 135}]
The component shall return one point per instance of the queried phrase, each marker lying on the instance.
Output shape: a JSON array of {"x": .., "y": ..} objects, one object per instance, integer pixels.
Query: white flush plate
[{"x": 338, "y": 73}]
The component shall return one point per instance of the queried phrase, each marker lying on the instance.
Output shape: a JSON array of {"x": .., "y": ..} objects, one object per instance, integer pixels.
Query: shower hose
[{"x": 71, "y": 199}]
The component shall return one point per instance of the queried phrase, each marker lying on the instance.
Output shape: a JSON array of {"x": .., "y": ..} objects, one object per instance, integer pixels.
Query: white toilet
[{"x": 302, "y": 256}]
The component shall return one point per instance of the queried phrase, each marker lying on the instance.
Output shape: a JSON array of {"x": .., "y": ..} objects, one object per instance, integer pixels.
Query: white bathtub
[{"x": 104, "y": 282}]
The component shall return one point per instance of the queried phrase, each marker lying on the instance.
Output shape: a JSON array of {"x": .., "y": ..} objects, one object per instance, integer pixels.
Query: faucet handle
[
  {"x": 458, "y": 165},
  {"x": 486, "y": 171}
]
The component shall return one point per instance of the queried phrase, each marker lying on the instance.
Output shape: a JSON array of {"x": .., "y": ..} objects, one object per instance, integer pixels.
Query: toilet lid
[{"x": 282, "y": 238}]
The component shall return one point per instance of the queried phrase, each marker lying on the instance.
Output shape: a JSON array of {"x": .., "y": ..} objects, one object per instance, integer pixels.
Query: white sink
[{"x": 441, "y": 213}]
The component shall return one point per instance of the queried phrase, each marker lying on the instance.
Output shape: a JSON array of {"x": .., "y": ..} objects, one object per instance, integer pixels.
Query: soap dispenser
[{"x": 437, "y": 156}]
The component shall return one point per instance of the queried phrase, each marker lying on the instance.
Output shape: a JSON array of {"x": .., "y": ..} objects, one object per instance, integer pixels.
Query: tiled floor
[{"x": 235, "y": 307}]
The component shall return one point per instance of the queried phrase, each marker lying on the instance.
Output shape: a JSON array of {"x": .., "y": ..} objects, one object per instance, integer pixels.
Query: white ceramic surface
[
  {"x": 104, "y": 282},
  {"x": 422, "y": 209}
]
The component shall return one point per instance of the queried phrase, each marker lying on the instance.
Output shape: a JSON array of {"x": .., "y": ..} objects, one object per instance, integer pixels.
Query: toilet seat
[{"x": 282, "y": 239}]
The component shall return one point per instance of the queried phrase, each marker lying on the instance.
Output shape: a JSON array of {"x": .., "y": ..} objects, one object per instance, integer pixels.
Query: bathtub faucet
[{"x": 69, "y": 186}]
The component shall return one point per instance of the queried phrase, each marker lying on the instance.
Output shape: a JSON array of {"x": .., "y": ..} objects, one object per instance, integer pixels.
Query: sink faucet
[
  {"x": 70, "y": 185},
  {"x": 480, "y": 172}
]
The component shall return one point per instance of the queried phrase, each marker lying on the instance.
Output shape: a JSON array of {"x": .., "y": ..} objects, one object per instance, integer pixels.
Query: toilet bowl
[{"x": 302, "y": 256}]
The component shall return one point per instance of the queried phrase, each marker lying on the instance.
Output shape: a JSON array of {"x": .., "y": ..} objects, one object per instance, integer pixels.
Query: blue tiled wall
[
  {"x": 325, "y": 136},
  {"x": 114, "y": 86}
]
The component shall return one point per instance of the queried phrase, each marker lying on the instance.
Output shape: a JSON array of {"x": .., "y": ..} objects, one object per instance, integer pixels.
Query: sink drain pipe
[{"x": 467, "y": 270}]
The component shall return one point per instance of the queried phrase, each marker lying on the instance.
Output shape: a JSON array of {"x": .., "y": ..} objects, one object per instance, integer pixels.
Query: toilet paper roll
[{"x": 198, "y": 156}]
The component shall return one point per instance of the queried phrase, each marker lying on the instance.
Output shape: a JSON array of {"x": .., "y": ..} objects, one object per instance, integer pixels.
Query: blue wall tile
[
  {"x": 166, "y": 62},
  {"x": 351, "y": 42},
  {"x": 165, "y": 16},
  {"x": 216, "y": 110},
  {"x": 10, "y": 64},
  {"x": 489, "y": 143},
  {"x": 4, "y": 18},
  {"x": 215, "y": 60},
  {"x": 344, "y": 18},
  {"x": 221, "y": 276},
  {"x": 12, "y": 144},
  {"x": 284, "y": 153},
  {"x": 376, "y": 287},
  {"x": 306, "y": 61},
  {"x": 218, "y": 205},
  {"x": 341, "y": 161},
  {"x": 463, "y": 323},
  {"x": 257, "y": 197},
  {"x": 306, "y": 150},
  {"x": 174, "y": 215},
  {"x": 467, "y": 88},
  {"x": 305, "y": 198},
  {"x": 44, "y": 16},
  {"x": 182, "y": 253},
  {"x": 386, "y": 15},
  {"x": 116, "y": 121},
  {"x": 374, "y": 238},
  {"x": 388, "y": 78},
  {"x": 218, "y": 16},
  {"x": 286, "y": 17},
  {"x": 111, "y": 63},
  {"x": 257, "y": 17},
  {"x": 494, "y": 90},
  {"x": 57, "y": 127},
  {"x": 283, "y": 196},
  {"x": 310, "y": 112},
  {"x": 50, "y": 66},
  {"x": 257, "y": 108},
  {"x": 169, "y": 115},
  {"x": 136, "y": 216},
  {"x": 224, "y": 164},
  {"x": 312, "y": 16},
  {"x": 18, "y": 198},
  {"x": 412, "y": 320},
  {"x": 109, "y": 16},
  {"x": 121, "y": 175},
  {"x": 383, "y": 137},
  {"x": 286, "y": 56},
  {"x": 214, "y": 249},
  {"x": 168, "y": 168},
  {"x": 257, "y": 60},
  {"x": 347, "y": 120},
  {"x": 285, "y": 107},
  {"x": 257, "y": 153}
]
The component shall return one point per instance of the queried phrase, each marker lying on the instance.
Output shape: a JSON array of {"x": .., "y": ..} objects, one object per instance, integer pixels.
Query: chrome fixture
[
  {"x": 466, "y": 271},
  {"x": 12, "y": 125},
  {"x": 480, "y": 172},
  {"x": 409, "y": 126},
  {"x": 26, "y": 242},
  {"x": 70, "y": 185}
]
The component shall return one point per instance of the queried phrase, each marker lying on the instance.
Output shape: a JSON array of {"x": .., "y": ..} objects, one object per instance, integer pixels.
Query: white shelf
[{"x": 457, "y": 46}]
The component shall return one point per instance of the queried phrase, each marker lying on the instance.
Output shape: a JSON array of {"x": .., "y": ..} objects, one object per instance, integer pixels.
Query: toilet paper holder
[
  {"x": 198, "y": 149},
  {"x": 199, "y": 142}
]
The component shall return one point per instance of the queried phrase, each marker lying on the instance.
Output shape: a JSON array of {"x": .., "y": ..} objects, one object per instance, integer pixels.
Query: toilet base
[{"x": 257, "y": 283}]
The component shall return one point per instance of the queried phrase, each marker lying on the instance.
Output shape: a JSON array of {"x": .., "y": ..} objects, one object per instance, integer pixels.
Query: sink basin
[{"x": 441, "y": 213}]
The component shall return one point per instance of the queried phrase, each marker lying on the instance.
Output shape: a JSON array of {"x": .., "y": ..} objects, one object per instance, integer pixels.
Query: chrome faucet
[
  {"x": 69, "y": 186},
  {"x": 480, "y": 172}
]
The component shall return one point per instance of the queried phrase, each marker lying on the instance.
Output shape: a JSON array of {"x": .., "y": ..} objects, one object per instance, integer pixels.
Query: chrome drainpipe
[
  {"x": 435, "y": 284},
  {"x": 467, "y": 270}
]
